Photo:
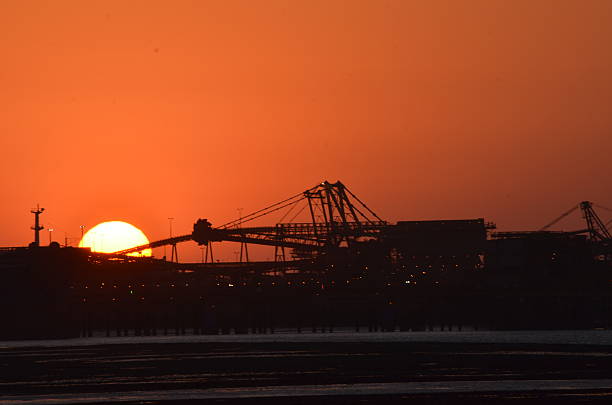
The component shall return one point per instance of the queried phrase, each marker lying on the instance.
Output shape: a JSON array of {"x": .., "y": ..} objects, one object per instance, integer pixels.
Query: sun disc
[{"x": 114, "y": 236}]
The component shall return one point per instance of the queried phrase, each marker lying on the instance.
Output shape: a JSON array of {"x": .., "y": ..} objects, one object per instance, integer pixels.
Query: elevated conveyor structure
[{"x": 335, "y": 217}]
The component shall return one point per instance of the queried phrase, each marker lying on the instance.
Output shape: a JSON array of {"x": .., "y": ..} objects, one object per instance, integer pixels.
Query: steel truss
[{"x": 334, "y": 218}]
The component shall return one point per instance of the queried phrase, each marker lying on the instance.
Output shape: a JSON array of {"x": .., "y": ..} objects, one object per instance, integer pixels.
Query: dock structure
[{"x": 336, "y": 264}]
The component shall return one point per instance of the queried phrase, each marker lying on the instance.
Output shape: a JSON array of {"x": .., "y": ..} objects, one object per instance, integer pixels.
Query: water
[
  {"x": 292, "y": 391},
  {"x": 75, "y": 371}
]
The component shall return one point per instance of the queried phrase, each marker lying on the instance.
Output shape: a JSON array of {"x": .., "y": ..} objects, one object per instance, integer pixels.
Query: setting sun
[{"x": 113, "y": 236}]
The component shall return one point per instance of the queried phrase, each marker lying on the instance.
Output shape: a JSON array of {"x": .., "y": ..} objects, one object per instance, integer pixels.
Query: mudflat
[{"x": 307, "y": 373}]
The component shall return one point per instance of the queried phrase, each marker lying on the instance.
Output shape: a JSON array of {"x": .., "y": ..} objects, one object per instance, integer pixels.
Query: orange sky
[{"x": 144, "y": 110}]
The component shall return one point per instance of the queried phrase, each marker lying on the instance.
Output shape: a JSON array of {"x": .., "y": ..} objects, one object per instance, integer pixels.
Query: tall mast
[{"x": 37, "y": 227}]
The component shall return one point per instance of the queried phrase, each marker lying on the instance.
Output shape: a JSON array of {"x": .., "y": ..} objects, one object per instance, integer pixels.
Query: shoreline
[{"x": 595, "y": 337}]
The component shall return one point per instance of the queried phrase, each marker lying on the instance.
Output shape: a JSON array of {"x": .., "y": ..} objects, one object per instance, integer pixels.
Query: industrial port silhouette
[{"x": 337, "y": 265}]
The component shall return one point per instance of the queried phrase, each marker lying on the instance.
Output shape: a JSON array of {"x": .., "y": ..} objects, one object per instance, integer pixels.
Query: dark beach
[{"x": 307, "y": 373}]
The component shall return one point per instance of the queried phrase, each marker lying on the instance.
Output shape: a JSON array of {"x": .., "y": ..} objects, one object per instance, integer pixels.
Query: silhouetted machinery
[
  {"x": 336, "y": 219},
  {"x": 333, "y": 255},
  {"x": 328, "y": 229},
  {"x": 556, "y": 259}
]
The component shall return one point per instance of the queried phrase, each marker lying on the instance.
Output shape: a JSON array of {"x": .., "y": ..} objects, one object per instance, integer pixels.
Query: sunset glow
[
  {"x": 113, "y": 236},
  {"x": 426, "y": 109}
]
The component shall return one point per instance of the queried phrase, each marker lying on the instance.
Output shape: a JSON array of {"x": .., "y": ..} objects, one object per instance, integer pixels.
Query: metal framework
[
  {"x": 330, "y": 216},
  {"x": 597, "y": 230},
  {"x": 596, "y": 227}
]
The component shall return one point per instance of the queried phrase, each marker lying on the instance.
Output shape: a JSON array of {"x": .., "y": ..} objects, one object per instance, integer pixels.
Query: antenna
[{"x": 37, "y": 227}]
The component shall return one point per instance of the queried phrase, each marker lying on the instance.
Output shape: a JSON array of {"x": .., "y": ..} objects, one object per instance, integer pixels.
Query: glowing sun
[{"x": 113, "y": 236}]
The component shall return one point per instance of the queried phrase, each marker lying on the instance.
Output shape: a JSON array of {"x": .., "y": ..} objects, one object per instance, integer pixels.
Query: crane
[
  {"x": 597, "y": 230},
  {"x": 335, "y": 217}
]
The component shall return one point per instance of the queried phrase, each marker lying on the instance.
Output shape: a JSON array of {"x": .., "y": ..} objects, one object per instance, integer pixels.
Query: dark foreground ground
[{"x": 307, "y": 373}]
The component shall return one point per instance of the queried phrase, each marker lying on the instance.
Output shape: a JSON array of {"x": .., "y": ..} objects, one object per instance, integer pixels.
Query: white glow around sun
[{"x": 113, "y": 236}]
